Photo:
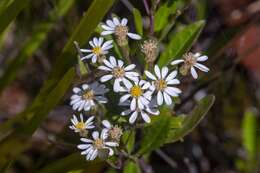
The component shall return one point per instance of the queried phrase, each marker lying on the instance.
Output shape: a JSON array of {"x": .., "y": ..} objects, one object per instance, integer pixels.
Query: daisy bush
[{"x": 129, "y": 92}]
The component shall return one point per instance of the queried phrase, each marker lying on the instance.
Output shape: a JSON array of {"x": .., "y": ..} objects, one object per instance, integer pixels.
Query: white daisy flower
[
  {"x": 138, "y": 93},
  {"x": 114, "y": 132},
  {"x": 88, "y": 96},
  {"x": 99, "y": 48},
  {"x": 150, "y": 109},
  {"x": 120, "y": 29},
  {"x": 80, "y": 126},
  {"x": 117, "y": 71},
  {"x": 190, "y": 61},
  {"x": 96, "y": 146},
  {"x": 162, "y": 84}
]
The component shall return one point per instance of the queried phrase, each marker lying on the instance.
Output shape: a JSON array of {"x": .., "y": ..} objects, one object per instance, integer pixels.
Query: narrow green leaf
[
  {"x": 131, "y": 167},
  {"x": 128, "y": 139},
  {"x": 82, "y": 67},
  {"x": 249, "y": 133},
  {"x": 9, "y": 13},
  {"x": 163, "y": 13},
  {"x": 38, "y": 36},
  {"x": 138, "y": 21},
  {"x": 155, "y": 134},
  {"x": 81, "y": 34},
  {"x": 192, "y": 120},
  {"x": 72, "y": 162},
  {"x": 181, "y": 42}
]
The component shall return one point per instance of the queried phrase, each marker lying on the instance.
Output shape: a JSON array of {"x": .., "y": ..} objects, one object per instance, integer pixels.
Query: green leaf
[
  {"x": 131, "y": 167},
  {"x": 82, "y": 68},
  {"x": 81, "y": 34},
  {"x": 163, "y": 13},
  {"x": 38, "y": 36},
  {"x": 155, "y": 134},
  {"x": 128, "y": 139},
  {"x": 181, "y": 42},
  {"x": 138, "y": 21},
  {"x": 9, "y": 12},
  {"x": 249, "y": 133},
  {"x": 192, "y": 120},
  {"x": 72, "y": 162}
]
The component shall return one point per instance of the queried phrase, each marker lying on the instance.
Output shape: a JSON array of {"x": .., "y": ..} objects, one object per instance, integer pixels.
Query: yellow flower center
[
  {"x": 97, "y": 50},
  {"x": 118, "y": 72},
  {"x": 80, "y": 125},
  {"x": 98, "y": 143},
  {"x": 160, "y": 84},
  {"x": 136, "y": 91},
  {"x": 88, "y": 95}
]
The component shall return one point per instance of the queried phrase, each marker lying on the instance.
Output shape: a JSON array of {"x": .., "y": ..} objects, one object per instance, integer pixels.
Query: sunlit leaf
[
  {"x": 181, "y": 42},
  {"x": 128, "y": 139},
  {"x": 192, "y": 120}
]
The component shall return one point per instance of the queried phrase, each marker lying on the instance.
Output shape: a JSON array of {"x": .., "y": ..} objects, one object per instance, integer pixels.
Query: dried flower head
[{"x": 150, "y": 50}]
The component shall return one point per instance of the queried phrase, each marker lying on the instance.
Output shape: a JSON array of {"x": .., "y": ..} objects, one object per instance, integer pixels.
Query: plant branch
[{"x": 166, "y": 158}]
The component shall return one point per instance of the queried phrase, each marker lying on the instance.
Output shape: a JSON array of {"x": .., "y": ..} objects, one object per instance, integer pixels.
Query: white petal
[
  {"x": 124, "y": 22},
  {"x": 94, "y": 59},
  {"x": 95, "y": 40},
  {"x": 120, "y": 63},
  {"x": 197, "y": 54},
  {"x": 87, "y": 57},
  {"x": 167, "y": 98},
  {"x": 202, "y": 58},
  {"x": 110, "y": 23},
  {"x": 145, "y": 117},
  {"x": 100, "y": 41},
  {"x": 140, "y": 105},
  {"x": 107, "y": 44},
  {"x": 104, "y": 68},
  {"x": 83, "y": 146},
  {"x": 94, "y": 155},
  {"x": 150, "y": 75},
  {"x": 193, "y": 73},
  {"x": 131, "y": 73},
  {"x": 86, "y": 140},
  {"x": 172, "y": 91},
  {"x": 116, "y": 21},
  {"x": 95, "y": 135},
  {"x": 130, "y": 67},
  {"x": 111, "y": 152},
  {"x": 107, "y": 32},
  {"x": 146, "y": 85},
  {"x": 104, "y": 134},
  {"x": 178, "y": 61},
  {"x": 113, "y": 61},
  {"x": 159, "y": 98},
  {"x": 133, "y": 117},
  {"x": 173, "y": 82},
  {"x": 111, "y": 144},
  {"x": 127, "y": 83},
  {"x": 202, "y": 67},
  {"x": 157, "y": 71},
  {"x": 90, "y": 119},
  {"x": 76, "y": 89},
  {"x": 126, "y": 112},
  {"x": 85, "y": 86},
  {"x": 164, "y": 72},
  {"x": 91, "y": 44},
  {"x": 86, "y": 50},
  {"x": 108, "y": 28},
  {"x": 106, "y": 124},
  {"x": 134, "y": 36},
  {"x": 106, "y": 78},
  {"x": 144, "y": 100},
  {"x": 108, "y": 64},
  {"x": 133, "y": 104},
  {"x": 124, "y": 98},
  {"x": 116, "y": 86},
  {"x": 172, "y": 75}
]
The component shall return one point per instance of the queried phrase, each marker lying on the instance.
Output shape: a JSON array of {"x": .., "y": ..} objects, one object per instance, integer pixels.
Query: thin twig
[
  {"x": 166, "y": 158},
  {"x": 145, "y": 167},
  {"x": 128, "y": 5},
  {"x": 76, "y": 44},
  {"x": 146, "y": 6}
]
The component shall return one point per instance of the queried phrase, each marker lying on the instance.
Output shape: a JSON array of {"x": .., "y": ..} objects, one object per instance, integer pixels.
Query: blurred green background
[{"x": 33, "y": 35}]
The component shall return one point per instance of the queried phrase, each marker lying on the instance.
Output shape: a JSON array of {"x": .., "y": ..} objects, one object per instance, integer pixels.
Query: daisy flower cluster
[{"x": 140, "y": 93}]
